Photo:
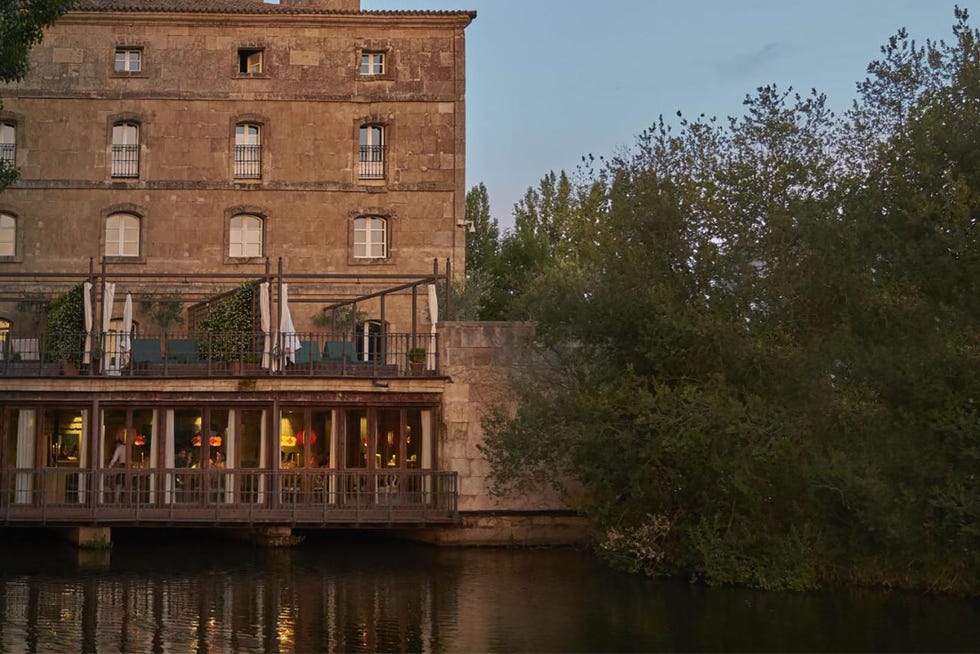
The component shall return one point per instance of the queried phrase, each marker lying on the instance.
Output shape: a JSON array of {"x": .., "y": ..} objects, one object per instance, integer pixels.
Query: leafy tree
[
  {"x": 482, "y": 250},
  {"x": 545, "y": 220},
  {"x": 22, "y": 23},
  {"x": 482, "y": 237},
  {"x": 759, "y": 361}
]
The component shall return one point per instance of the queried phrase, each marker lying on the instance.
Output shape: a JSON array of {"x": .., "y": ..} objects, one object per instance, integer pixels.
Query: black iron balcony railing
[
  {"x": 248, "y": 161},
  {"x": 219, "y": 354},
  {"x": 372, "y": 163},
  {"x": 226, "y": 496},
  {"x": 8, "y": 152},
  {"x": 125, "y": 160}
]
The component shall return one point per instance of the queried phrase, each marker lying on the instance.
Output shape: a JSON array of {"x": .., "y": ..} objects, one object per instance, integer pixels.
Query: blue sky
[{"x": 549, "y": 81}]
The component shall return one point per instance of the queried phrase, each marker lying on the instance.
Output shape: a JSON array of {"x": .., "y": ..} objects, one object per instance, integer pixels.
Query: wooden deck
[{"x": 187, "y": 497}]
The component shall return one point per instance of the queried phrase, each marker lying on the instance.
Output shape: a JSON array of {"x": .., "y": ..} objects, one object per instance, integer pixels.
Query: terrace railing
[
  {"x": 313, "y": 496},
  {"x": 219, "y": 354}
]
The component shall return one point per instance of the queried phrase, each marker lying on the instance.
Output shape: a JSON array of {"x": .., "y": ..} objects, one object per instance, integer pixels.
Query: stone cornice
[{"x": 269, "y": 20}]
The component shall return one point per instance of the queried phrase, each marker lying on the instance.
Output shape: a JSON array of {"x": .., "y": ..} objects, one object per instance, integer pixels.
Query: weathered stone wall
[
  {"x": 479, "y": 358},
  {"x": 310, "y": 101}
]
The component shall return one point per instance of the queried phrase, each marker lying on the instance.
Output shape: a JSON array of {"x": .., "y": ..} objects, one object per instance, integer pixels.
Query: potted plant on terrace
[{"x": 416, "y": 360}]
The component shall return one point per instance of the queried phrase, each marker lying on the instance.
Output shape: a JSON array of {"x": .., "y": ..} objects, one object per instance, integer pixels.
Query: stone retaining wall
[{"x": 479, "y": 358}]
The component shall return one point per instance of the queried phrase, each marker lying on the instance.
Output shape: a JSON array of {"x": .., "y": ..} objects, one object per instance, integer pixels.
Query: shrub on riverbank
[{"x": 767, "y": 330}]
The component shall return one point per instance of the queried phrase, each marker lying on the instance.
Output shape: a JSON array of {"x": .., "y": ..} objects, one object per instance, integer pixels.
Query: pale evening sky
[{"x": 549, "y": 81}]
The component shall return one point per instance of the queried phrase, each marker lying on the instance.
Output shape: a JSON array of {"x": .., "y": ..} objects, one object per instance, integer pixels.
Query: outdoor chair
[
  {"x": 341, "y": 351},
  {"x": 147, "y": 350},
  {"x": 309, "y": 352},
  {"x": 183, "y": 350}
]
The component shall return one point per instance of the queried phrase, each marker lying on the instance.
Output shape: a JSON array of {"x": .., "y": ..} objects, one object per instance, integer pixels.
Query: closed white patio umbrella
[
  {"x": 287, "y": 332},
  {"x": 433, "y": 318},
  {"x": 108, "y": 297},
  {"x": 89, "y": 320},
  {"x": 125, "y": 342},
  {"x": 266, "y": 323}
]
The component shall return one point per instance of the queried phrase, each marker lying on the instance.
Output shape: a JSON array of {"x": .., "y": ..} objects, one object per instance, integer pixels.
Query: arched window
[
  {"x": 245, "y": 236},
  {"x": 248, "y": 151},
  {"x": 372, "y": 159},
  {"x": 126, "y": 149},
  {"x": 370, "y": 237},
  {"x": 8, "y": 143},
  {"x": 8, "y": 235},
  {"x": 122, "y": 235}
]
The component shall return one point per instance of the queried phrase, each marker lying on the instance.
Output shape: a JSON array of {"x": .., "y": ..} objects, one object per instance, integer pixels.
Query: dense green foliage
[
  {"x": 231, "y": 321},
  {"x": 760, "y": 355},
  {"x": 65, "y": 321},
  {"x": 164, "y": 310},
  {"x": 22, "y": 24}
]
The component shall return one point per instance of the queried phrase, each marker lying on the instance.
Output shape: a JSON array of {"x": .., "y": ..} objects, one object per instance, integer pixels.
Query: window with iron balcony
[
  {"x": 248, "y": 151},
  {"x": 372, "y": 152},
  {"x": 8, "y": 143},
  {"x": 125, "y": 150}
]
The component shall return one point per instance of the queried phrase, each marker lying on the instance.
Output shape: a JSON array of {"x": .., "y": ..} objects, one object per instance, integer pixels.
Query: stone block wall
[
  {"x": 479, "y": 358},
  {"x": 310, "y": 101}
]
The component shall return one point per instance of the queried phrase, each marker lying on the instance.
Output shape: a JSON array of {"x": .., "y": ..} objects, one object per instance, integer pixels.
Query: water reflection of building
[{"x": 282, "y": 609}]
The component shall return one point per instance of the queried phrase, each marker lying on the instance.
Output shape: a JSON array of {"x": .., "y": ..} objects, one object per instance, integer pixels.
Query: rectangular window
[
  {"x": 128, "y": 60},
  {"x": 8, "y": 143},
  {"x": 372, "y": 63},
  {"x": 370, "y": 238},
  {"x": 249, "y": 61},
  {"x": 8, "y": 235}
]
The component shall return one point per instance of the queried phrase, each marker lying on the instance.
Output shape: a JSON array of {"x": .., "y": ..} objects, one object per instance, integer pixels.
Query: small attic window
[{"x": 249, "y": 60}]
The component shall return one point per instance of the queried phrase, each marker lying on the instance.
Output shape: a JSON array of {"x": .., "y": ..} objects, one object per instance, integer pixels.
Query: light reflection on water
[{"x": 195, "y": 593}]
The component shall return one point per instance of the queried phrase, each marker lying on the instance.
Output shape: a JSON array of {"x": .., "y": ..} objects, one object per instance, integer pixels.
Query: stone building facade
[
  {"x": 172, "y": 135},
  {"x": 176, "y": 149}
]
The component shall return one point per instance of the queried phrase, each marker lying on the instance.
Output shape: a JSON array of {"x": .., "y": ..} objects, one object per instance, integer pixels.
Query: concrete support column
[
  {"x": 89, "y": 537},
  {"x": 272, "y": 536}
]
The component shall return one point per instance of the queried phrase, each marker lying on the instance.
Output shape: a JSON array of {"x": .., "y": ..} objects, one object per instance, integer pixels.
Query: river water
[{"x": 159, "y": 591}]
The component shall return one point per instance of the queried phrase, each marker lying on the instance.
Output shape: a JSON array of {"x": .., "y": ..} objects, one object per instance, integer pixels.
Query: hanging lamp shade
[{"x": 301, "y": 437}]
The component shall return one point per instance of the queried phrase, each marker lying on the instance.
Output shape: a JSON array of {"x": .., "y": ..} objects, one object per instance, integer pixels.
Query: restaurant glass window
[
  {"x": 356, "y": 438},
  {"x": 413, "y": 439},
  {"x": 21, "y": 449},
  {"x": 187, "y": 438},
  {"x": 293, "y": 435},
  {"x": 322, "y": 422},
  {"x": 63, "y": 432},
  {"x": 218, "y": 438},
  {"x": 388, "y": 438},
  {"x": 251, "y": 455}
]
